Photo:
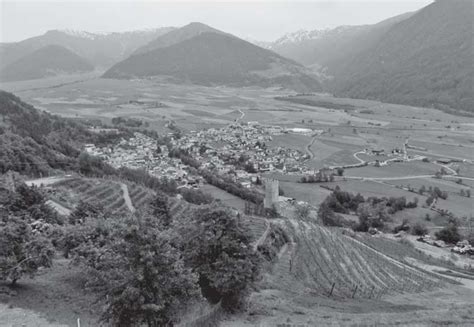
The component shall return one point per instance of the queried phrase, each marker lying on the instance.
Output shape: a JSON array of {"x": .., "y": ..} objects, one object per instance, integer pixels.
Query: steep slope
[
  {"x": 175, "y": 36},
  {"x": 425, "y": 60},
  {"x": 100, "y": 49},
  {"x": 33, "y": 142},
  {"x": 47, "y": 61},
  {"x": 217, "y": 59},
  {"x": 322, "y": 261}
]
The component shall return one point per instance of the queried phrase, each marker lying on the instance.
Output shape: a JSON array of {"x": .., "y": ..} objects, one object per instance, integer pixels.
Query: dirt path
[
  {"x": 59, "y": 208},
  {"x": 262, "y": 238},
  {"x": 126, "y": 197}
]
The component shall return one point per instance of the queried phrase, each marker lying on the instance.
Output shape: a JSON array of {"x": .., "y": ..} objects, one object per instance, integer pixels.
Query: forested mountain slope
[{"x": 425, "y": 60}]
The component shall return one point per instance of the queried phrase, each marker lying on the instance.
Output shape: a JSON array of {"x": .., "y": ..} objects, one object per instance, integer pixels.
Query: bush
[
  {"x": 196, "y": 196},
  {"x": 449, "y": 234},
  {"x": 419, "y": 229}
]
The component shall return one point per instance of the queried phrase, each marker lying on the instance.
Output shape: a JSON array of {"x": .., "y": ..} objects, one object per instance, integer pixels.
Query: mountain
[
  {"x": 48, "y": 61},
  {"x": 426, "y": 60},
  {"x": 214, "y": 58},
  {"x": 101, "y": 49},
  {"x": 176, "y": 36},
  {"x": 331, "y": 47}
]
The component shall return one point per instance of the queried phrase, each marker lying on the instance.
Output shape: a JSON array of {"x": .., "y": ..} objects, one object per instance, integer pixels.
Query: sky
[{"x": 264, "y": 20}]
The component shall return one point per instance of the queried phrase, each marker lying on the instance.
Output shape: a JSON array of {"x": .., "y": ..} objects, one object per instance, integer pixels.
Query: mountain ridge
[{"x": 210, "y": 58}]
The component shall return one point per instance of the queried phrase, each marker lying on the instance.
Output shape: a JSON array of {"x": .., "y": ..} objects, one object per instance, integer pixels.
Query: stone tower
[{"x": 271, "y": 193}]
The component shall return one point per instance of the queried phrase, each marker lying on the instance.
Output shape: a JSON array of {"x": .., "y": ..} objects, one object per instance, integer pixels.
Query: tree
[
  {"x": 30, "y": 203},
  {"x": 219, "y": 250},
  {"x": 340, "y": 171},
  {"x": 141, "y": 272},
  {"x": 160, "y": 209},
  {"x": 449, "y": 234},
  {"x": 419, "y": 229},
  {"x": 21, "y": 251}
]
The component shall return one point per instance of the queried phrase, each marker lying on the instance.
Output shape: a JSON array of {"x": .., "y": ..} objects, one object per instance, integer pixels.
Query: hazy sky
[{"x": 259, "y": 20}]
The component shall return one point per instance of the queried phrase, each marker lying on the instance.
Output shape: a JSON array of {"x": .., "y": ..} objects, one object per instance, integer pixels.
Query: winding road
[{"x": 308, "y": 148}]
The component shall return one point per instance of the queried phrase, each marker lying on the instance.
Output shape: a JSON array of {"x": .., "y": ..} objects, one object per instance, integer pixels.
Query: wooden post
[
  {"x": 355, "y": 290},
  {"x": 372, "y": 292},
  {"x": 332, "y": 288}
]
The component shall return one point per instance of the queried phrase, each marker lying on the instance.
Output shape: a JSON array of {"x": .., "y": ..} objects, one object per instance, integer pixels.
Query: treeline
[
  {"x": 372, "y": 212},
  {"x": 213, "y": 178}
]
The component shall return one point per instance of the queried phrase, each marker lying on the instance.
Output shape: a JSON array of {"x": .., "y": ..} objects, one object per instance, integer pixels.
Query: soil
[{"x": 55, "y": 297}]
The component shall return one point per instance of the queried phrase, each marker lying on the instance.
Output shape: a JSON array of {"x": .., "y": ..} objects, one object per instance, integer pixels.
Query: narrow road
[
  {"x": 126, "y": 197},
  {"x": 359, "y": 159},
  {"x": 308, "y": 148},
  {"x": 242, "y": 115}
]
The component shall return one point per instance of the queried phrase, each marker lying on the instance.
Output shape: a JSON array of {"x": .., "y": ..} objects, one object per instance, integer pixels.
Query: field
[{"x": 223, "y": 196}]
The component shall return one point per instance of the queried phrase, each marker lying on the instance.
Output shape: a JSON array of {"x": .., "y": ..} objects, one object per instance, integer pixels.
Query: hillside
[
  {"x": 101, "y": 50},
  {"x": 424, "y": 60},
  {"x": 48, "y": 61},
  {"x": 37, "y": 143},
  {"x": 217, "y": 59}
]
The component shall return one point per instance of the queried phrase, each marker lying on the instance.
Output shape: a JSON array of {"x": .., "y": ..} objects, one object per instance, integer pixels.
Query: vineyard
[
  {"x": 102, "y": 192},
  {"x": 329, "y": 263}
]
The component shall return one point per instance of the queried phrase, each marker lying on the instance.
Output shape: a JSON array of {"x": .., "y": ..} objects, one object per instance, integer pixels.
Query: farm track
[{"x": 126, "y": 197}]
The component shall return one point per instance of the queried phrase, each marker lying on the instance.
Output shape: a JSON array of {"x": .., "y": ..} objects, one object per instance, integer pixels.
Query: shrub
[
  {"x": 449, "y": 234},
  {"x": 419, "y": 229},
  {"x": 196, "y": 196}
]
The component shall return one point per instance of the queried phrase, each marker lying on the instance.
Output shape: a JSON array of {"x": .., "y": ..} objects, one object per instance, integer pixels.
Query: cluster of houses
[
  {"x": 227, "y": 150},
  {"x": 142, "y": 152}
]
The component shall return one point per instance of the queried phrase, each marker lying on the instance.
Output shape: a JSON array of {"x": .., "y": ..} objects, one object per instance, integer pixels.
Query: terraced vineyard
[
  {"x": 329, "y": 263},
  {"x": 139, "y": 195},
  {"x": 97, "y": 191}
]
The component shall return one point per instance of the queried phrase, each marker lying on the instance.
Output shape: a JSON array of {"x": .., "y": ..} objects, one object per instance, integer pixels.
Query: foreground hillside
[{"x": 206, "y": 57}]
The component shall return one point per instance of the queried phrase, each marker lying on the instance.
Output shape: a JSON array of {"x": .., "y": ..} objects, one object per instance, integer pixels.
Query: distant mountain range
[
  {"x": 331, "y": 47},
  {"x": 423, "y": 58},
  {"x": 200, "y": 54},
  {"x": 47, "y": 61},
  {"x": 101, "y": 50}
]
